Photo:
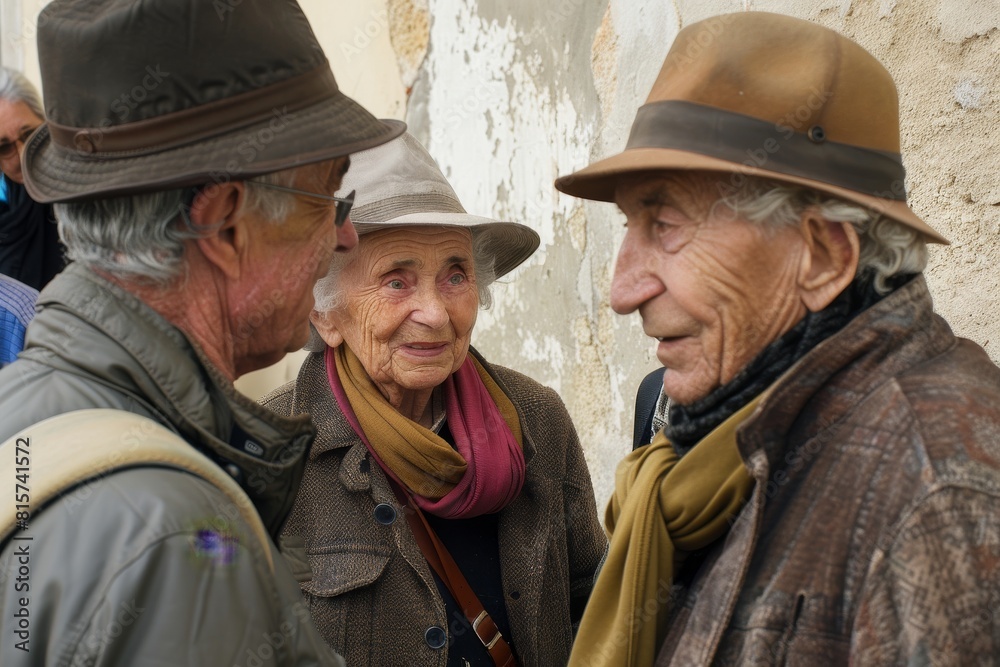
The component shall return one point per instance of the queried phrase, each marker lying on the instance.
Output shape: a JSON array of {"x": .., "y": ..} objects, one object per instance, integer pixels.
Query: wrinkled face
[
  {"x": 285, "y": 261},
  {"x": 712, "y": 288},
  {"x": 410, "y": 303},
  {"x": 17, "y": 122}
]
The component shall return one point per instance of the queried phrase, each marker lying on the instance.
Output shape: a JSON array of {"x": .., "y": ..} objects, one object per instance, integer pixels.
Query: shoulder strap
[
  {"x": 447, "y": 570},
  {"x": 54, "y": 455},
  {"x": 645, "y": 404}
]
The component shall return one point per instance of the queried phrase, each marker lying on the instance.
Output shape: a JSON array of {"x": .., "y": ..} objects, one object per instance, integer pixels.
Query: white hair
[
  {"x": 15, "y": 87},
  {"x": 142, "y": 236},
  {"x": 887, "y": 248}
]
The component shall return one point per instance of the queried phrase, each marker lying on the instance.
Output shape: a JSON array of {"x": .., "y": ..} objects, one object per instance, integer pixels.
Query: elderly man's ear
[
  {"x": 326, "y": 327},
  {"x": 830, "y": 260},
  {"x": 218, "y": 206}
]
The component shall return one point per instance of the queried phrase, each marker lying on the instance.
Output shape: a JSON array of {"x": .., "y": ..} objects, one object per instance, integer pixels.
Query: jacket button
[
  {"x": 234, "y": 472},
  {"x": 435, "y": 637},
  {"x": 385, "y": 514}
]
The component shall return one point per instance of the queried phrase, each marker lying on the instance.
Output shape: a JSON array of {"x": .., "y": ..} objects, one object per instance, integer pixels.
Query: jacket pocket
[{"x": 342, "y": 571}]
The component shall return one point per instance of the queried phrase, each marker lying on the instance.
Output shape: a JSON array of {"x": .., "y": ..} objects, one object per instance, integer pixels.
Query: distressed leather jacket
[{"x": 872, "y": 536}]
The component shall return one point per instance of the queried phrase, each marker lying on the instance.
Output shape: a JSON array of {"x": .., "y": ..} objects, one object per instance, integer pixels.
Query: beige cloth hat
[
  {"x": 399, "y": 183},
  {"x": 760, "y": 94}
]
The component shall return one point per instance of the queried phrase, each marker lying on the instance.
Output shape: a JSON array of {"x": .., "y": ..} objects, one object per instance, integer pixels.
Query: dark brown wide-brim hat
[
  {"x": 767, "y": 95},
  {"x": 161, "y": 94}
]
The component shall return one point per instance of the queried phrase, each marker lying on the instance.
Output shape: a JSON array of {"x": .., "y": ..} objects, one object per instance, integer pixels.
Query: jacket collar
[
  {"x": 107, "y": 333},
  {"x": 875, "y": 346}
]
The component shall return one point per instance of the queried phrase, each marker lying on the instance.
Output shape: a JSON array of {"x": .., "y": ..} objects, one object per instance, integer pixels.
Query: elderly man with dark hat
[
  {"x": 193, "y": 155},
  {"x": 827, "y": 487}
]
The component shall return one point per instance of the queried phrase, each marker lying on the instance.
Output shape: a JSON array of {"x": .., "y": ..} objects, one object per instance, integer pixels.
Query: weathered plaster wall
[{"x": 511, "y": 94}]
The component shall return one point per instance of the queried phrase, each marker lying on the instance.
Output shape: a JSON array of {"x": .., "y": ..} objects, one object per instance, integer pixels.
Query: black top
[
  {"x": 475, "y": 546},
  {"x": 645, "y": 407},
  {"x": 30, "y": 250}
]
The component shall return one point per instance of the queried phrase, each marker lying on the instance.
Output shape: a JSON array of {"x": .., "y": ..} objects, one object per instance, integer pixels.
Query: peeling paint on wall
[{"x": 409, "y": 31}]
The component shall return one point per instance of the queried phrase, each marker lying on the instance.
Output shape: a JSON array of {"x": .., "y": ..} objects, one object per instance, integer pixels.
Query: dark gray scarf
[{"x": 688, "y": 424}]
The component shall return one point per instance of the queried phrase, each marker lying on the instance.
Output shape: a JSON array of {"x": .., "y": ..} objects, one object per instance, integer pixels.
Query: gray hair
[
  {"x": 888, "y": 248},
  {"x": 142, "y": 236},
  {"x": 329, "y": 295},
  {"x": 15, "y": 87}
]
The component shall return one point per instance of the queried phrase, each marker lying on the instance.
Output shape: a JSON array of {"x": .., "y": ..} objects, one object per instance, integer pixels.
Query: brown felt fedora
[
  {"x": 161, "y": 94},
  {"x": 761, "y": 94}
]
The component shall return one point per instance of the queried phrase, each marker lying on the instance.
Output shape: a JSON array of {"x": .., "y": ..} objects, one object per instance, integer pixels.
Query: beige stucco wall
[{"x": 508, "y": 95}]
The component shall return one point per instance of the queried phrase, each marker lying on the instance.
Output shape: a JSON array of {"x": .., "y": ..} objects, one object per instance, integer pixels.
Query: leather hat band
[
  {"x": 714, "y": 132},
  {"x": 183, "y": 127}
]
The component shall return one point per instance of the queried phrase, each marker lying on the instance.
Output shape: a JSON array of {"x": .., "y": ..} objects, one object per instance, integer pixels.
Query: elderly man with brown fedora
[
  {"x": 193, "y": 155},
  {"x": 827, "y": 487}
]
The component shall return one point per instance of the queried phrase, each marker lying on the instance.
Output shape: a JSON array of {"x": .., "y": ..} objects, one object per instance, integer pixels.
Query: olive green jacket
[{"x": 148, "y": 566}]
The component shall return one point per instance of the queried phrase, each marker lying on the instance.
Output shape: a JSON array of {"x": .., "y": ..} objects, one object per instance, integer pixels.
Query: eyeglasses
[
  {"x": 8, "y": 148},
  {"x": 344, "y": 204}
]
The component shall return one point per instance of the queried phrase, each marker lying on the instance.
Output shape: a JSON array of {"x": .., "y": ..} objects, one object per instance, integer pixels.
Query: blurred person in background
[
  {"x": 17, "y": 307},
  {"x": 30, "y": 250}
]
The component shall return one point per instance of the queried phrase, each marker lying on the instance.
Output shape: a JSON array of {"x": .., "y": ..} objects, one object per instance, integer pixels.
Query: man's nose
[
  {"x": 634, "y": 283},
  {"x": 347, "y": 236}
]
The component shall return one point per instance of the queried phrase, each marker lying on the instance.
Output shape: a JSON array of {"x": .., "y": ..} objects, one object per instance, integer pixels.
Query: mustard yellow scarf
[
  {"x": 485, "y": 470},
  {"x": 662, "y": 507}
]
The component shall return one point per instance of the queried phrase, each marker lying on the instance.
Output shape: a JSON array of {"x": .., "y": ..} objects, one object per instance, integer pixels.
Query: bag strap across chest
[{"x": 53, "y": 456}]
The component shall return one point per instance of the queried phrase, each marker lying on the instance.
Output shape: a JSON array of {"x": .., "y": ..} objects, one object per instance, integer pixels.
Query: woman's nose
[{"x": 431, "y": 310}]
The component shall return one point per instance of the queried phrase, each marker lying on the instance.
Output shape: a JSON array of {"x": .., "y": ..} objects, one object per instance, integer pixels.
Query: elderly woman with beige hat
[
  {"x": 447, "y": 514},
  {"x": 826, "y": 490}
]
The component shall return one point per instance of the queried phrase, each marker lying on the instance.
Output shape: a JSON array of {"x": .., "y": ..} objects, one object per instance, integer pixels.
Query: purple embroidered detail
[{"x": 218, "y": 546}]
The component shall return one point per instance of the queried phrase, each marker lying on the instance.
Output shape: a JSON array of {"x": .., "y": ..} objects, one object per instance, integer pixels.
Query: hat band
[
  {"x": 203, "y": 121},
  {"x": 758, "y": 144},
  {"x": 390, "y": 208}
]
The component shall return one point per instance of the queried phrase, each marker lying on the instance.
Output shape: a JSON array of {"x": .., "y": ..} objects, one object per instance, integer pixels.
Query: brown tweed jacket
[
  {"x": 873, "y": 534},
  {"x": 371, "y": 592}
]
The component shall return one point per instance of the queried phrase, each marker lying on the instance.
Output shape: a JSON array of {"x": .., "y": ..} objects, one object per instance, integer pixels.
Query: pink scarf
[{"x": 482, "y": 474}]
